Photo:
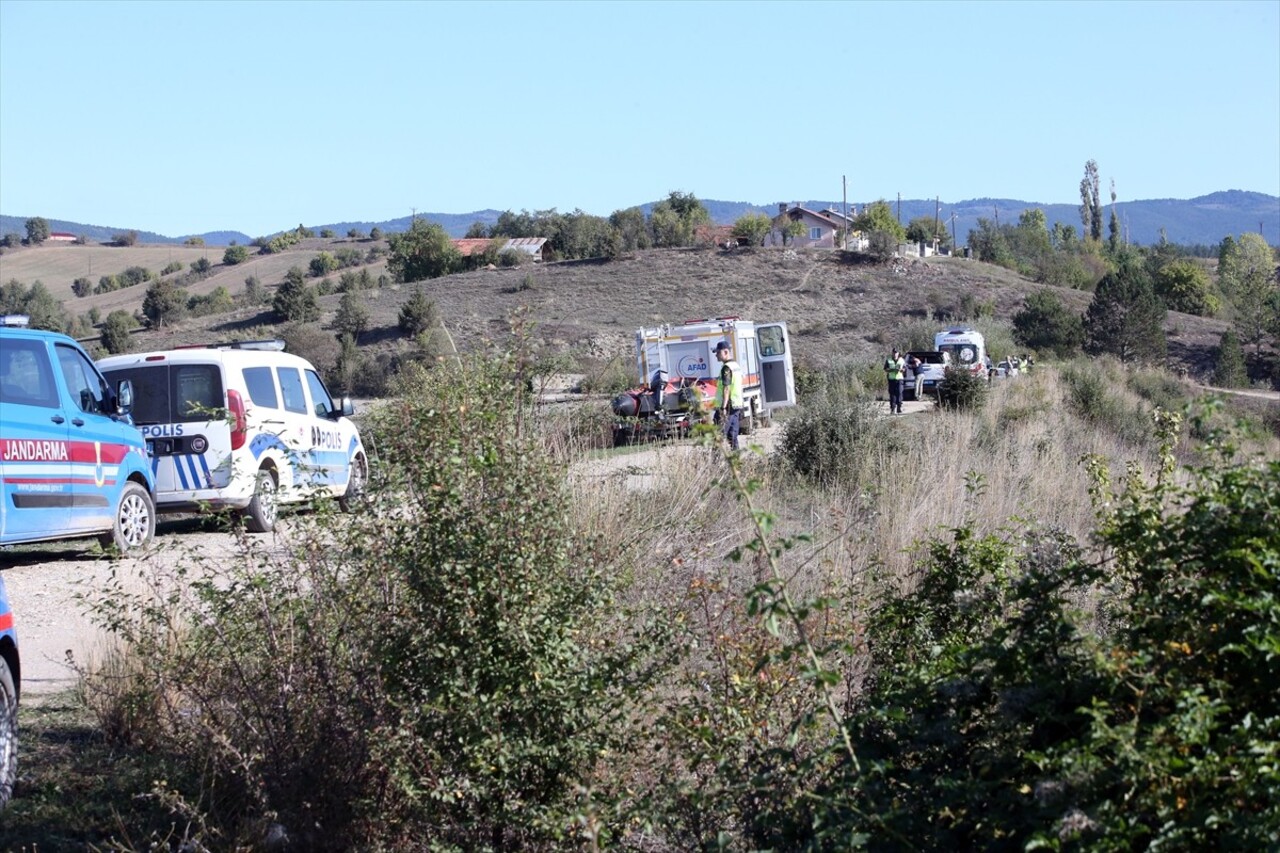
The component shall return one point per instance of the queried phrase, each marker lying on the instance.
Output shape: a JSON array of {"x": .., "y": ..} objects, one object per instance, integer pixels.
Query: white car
[
  {"x": 1005, "y": 369},
  {"x": 242, "y": 426}
]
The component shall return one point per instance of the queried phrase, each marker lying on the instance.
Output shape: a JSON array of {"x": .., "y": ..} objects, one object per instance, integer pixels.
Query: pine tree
[
  {"x": 1126, "y": 318},
  {"x": 1229, "y": 368}
]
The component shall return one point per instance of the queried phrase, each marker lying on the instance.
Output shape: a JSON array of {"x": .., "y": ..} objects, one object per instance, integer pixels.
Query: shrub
[
  {"x": 1090, "y": 397},
  {"x": 833, "y": 441},
  {"x": 235, "y": 255},
  {"x": 962, "y": 389},
  {"x": 116, "y": 331}
]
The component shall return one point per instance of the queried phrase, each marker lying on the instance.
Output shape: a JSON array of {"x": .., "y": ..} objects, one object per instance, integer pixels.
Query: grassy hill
[{"x": 585, "y": 313}]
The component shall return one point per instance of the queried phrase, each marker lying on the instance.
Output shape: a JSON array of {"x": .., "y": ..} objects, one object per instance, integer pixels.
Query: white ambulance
[
  {"x": 680, "y": 355},
  {"x": 242, "y": 426},
  {"x": 967, "y": 348}
]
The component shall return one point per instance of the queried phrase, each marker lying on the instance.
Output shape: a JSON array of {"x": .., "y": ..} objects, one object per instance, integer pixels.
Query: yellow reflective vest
[{"x": 731, "y": 378}]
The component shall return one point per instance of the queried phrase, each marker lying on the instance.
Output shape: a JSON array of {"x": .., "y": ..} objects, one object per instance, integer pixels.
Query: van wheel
[
  {"x": 135, "y": 522},
  {"x": 8, "y": 733},
  {"x": 356, "y": 483},
  {"x": 260, "y": 516}
]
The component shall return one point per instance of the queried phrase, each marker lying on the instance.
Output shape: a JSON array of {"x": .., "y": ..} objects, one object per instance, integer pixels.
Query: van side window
[
  {"x": 88, "y": 390},
  {"x": 25, "y": 377},
  {"x": 261, "y": 387},
  {"x": 320, "y": 394},
  {"x": 197, "y": 392},
  {"x": 291, "y": 387}
]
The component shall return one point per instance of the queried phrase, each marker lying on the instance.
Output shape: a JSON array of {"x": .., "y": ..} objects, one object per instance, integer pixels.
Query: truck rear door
[{"x": 778, "y": 387}]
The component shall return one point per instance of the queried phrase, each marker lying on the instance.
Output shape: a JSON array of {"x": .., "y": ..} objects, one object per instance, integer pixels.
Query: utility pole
[
  {"x": 937, "y": 210},
  {"x": 954, "y": 246},
  {"x": 844, "y": 189},
  {"x": 899, "y": 214}
]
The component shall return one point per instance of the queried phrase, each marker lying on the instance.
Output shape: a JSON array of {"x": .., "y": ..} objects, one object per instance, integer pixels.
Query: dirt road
[{"x": 47, "y": 584}]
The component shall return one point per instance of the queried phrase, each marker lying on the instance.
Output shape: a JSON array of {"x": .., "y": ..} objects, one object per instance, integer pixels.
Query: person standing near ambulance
[
  {"x": 728, "y": 411},
  {"x": 895, "y": 370}
]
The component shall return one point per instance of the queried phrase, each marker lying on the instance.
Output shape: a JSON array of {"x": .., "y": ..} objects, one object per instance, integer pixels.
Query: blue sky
[{"x": 188, "y": 117}]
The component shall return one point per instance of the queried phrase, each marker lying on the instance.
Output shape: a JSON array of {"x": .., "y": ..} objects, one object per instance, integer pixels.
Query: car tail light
[{"x": 239, "y": 423}]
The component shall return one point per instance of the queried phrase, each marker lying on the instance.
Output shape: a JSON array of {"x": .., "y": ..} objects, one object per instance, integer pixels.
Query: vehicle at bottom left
[
  {"x": 71, "y": 461},
  {"x": 10, "y": 689}
]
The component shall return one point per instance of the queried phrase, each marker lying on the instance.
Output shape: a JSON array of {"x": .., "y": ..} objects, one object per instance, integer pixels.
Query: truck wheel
[
  {"x": 357, "y": 480},
  {"x": 260, "y": 516},
  {"x": 135, "y": 521},
  {"x": 8, "y": 733}
]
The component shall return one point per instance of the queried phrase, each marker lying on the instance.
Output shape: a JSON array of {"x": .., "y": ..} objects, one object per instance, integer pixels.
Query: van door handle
[
  {"x": 77, "y": 421},
  {"x": 58, "y": 419}
]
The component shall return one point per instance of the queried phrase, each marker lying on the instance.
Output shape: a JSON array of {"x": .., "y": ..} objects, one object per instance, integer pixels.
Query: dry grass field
[{"x": 838, "y": 307}]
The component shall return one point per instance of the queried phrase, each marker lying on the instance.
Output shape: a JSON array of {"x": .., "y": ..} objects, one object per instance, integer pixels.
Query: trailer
[{"x": 678, "y": 374}]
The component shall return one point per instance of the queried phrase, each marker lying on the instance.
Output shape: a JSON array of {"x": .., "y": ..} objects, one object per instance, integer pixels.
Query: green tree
[
  {"x": 674, "y": 220},
  {"x": 201, "y": 265},
  {"x": 990, "y": 243},
  {"x": 82, "y": 286},
  {"x": 37, "y": 230},
  {"x": 477, "y": 231},
  {"x": 1126, "y": 318},
  {"x": 1113, "y": 237},
  {"x": 1247, "y": 275},
  {"x": 927, "y": 229},
  {"x": 352, "y": 317},
  {"x": 424, "y": 251},
  {"x": 1229, "y": 368},
  {"x": 11, "y": 240},
  {"x": 417, "y": 314},
  {"x": 327, "y": 233},
  {"x": 163, "y": 304},
  {"x": 193, "y": 241},
  {"x": 323, "y": 264},
  {"x": 43, "y": 310},
  {"x": 632, "y": 228},
  {"x": 295, "y": 302},
  {"x": 1090, "y": 206},
  {"x": 355, "y": 233},
  {"x": 375, "y": 233},
  {"x": 235, "y": 255},
  {"x": 116, "y": 331},
  {"x": 126, "y": 238},
  {"x": 878, "y": 217},
  {"x": 752, "y": 228},
  {"x": 1046, "y": 326},
  {"x": 1184, "y": 286}
]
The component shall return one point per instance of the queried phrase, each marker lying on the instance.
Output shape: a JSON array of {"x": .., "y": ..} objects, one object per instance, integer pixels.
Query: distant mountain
[{"x": 1204, "y": 220}]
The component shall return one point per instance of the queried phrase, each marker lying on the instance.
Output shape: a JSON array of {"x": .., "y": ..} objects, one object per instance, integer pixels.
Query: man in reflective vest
[
  {"x": 895, "y": 371},
  {"x": 728, "y": 394}
]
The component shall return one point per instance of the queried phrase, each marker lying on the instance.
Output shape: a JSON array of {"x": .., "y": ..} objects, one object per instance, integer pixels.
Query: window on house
[{"x": 815, "y": 233}]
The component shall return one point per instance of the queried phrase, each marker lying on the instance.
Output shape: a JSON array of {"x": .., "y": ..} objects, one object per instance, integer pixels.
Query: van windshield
[{"x": 173, "y": 393}]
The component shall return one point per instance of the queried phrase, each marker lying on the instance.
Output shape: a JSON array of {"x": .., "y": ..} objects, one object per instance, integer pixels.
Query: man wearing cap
[
  {"x": 729, "y": 394},
  {"x": 895, "y": 371}
]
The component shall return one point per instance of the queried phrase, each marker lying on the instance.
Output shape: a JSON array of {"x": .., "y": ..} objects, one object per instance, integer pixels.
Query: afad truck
[
  {"x": 967, "y": 348},
  {"x": 678, "y": 372}
]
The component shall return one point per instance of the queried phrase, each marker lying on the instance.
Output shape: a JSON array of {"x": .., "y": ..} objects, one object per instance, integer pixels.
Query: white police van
[
  {"x": 71, "y": 461},
  {"x": 243, "y": 426}
]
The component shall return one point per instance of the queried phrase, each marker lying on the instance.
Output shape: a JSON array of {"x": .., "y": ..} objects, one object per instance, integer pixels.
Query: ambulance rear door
[{"x": 778, "y": 386}]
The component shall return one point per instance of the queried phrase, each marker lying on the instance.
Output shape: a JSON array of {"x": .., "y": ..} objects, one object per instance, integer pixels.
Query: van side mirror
[{"x": 124, "y": 397}]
